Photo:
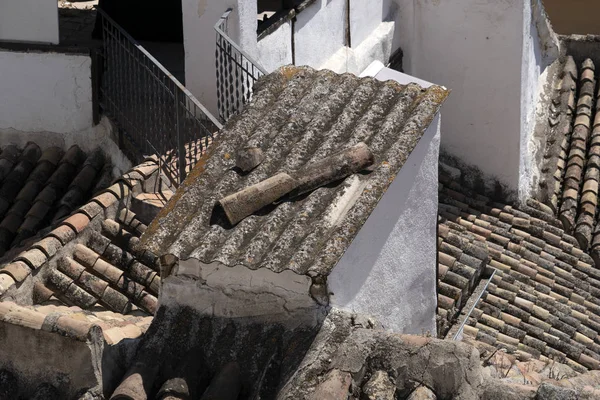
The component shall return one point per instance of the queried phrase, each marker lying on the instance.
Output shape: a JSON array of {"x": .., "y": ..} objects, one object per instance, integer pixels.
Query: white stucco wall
[
  {"x": 365, "y": 16},
  {"x": 492, "y": 55},
  {"x": 530, "y": 75},
  {"x": 43, "y": 91},
  {"x": 199, "y": 39},
  {"x": 474, "y": 47},
  {"x": 47, "y": 98},
  {"x": 319, "y": 36},
  {"x": 319, "y": 32},
  {"x": 402, "y": 13},
  {"x": 275, "y": 49},
  {"x": 29, "y": 21},
  {"x": 389, "y": 270},
  {"x": 377, "y": 46},
  {"x": 540, "y": 50},
  {"x": 316, "y": 37}
]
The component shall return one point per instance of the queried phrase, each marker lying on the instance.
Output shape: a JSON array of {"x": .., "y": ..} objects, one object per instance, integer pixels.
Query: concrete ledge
[{"x": 238, "y": 292}]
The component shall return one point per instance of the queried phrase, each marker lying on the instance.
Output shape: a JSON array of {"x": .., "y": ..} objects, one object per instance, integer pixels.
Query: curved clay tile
[{"x": 577, "y": 152}]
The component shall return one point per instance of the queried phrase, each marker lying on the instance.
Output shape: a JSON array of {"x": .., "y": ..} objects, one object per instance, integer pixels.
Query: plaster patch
[{"x": 235, "y": 292}]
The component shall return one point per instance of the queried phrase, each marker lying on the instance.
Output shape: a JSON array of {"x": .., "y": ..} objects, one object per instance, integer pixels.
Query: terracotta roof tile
[
  {"x": 97, "y": 242},
  {"x": 94, "y": 280},
  {"x": 539, "y": 301},
  {"x": 35, "y": 258},
  {"x": 78, "y": 222},
  {"x": 33, "y": 183},
  {"x": 18, "y": 270},
  {"x": 63, "y": 233},
  {"x": 119, "y": 189},
  {"x": 105, "y": 199}
]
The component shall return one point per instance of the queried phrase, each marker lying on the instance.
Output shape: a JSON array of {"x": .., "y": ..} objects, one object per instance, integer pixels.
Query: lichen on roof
[{"x": 297, "y": 116}]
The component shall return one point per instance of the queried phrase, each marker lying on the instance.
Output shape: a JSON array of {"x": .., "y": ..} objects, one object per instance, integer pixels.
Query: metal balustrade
[
  {"x": 236, "y": 72},
  {"x": 155, "y": 113}
]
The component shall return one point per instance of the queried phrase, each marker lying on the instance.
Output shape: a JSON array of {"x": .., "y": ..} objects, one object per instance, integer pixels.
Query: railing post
[
  {"x": 180, "y": 141},
  {"x": 236, "y": 72}
]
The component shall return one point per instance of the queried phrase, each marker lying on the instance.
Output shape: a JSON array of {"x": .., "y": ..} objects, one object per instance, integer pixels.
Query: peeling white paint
[{"x": 540, "y": 49}]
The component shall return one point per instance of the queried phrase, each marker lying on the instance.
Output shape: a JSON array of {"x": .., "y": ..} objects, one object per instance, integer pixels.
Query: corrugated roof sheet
[{"x": 297, "y": 116}]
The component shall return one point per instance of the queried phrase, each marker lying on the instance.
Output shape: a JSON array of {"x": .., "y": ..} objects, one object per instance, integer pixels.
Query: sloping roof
[
  {"x": 92, "y": 259},
  {"x": 297, "y": 116},
  {"x": 39, "y": 187},
  {"x": 545, "y": 297},
  {"x": 571, "y": 168}
]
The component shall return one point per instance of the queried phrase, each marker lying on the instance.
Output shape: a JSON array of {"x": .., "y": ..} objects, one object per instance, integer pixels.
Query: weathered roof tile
[
  {"x": 18, "y": 270},
  {"x": 77, "y": 221}
]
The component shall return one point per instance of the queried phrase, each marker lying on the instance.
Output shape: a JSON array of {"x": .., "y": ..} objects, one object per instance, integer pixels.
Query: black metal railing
[
  {"x": 153, "y": 110},
  {"x": 236, "y": 72}
]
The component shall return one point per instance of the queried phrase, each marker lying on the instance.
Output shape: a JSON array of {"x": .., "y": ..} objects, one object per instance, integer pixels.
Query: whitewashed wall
[
  {"x": 474, "y": 48},
  {"x": 540, "y": 50},
  {"x": 43, "y": 91},
  {"x": 317, "y": 38},
  {"x": 389, "y": 270},
  {"x": 47, "y": 98},
  {"x": 488, "y": 52},
  {"x": 275, "y": 50},
  {"x": 29, "y": 21},
  {"x": 365, "y": 17},
  {"x": 491, "y": 54},
  {"x": 319, "y": 32}
]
